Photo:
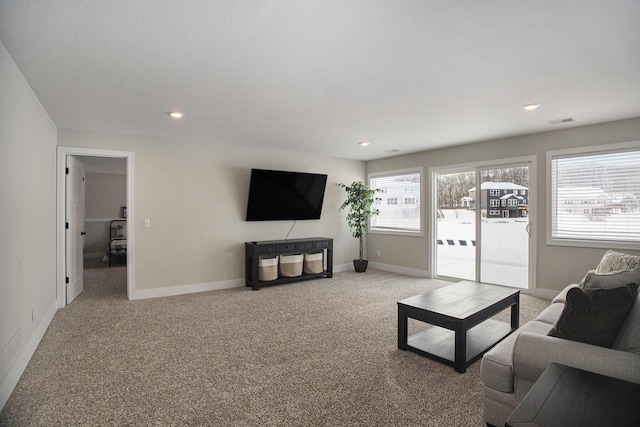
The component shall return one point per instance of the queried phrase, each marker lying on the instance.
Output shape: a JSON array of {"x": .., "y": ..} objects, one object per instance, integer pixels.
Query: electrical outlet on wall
[{"x": 378, "y": 252}]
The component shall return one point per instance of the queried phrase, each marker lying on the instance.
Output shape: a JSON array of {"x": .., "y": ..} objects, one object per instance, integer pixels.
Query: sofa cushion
[
  {"x": 611, "y": 280},
  {"x": 628, "y": 338},
  {"x": 581, "y": 282},
  {"x": 617, "y": 261},
  {"x": 551, "y": 314},
  {"x": 497, "y": 364},
  {"x": 594, "y": 316},
  {"x": 562, "y": 296}
]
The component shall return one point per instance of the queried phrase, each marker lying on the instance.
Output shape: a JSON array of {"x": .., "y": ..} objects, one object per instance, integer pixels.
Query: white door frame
[
  {"x": 63, "y": 152},
  {"x": 533, "y": 201}
]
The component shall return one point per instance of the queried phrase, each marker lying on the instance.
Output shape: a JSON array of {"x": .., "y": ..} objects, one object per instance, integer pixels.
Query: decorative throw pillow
[
  {"x": 617, "y": 261},
  {"x": 594, "y": 316},
  {"x": 612, "y": 280}
]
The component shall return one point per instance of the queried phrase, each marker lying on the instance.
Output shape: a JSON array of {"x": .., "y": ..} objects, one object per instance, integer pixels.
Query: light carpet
[{"x": 320, "y": 352}]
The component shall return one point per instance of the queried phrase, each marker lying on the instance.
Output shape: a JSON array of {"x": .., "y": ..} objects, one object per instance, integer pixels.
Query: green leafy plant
[{"x": 360, "y": 201}]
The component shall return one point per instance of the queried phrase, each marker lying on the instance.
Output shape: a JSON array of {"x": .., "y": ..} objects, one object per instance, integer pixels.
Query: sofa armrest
[{"x": 532, "y": 354}]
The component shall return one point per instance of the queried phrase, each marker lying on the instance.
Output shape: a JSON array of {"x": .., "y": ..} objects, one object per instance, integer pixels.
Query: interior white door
[{"x": 75, "y": 192}]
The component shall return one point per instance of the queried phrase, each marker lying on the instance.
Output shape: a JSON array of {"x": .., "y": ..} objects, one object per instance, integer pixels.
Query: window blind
[
  {"x": 596, "y": 196},
  {"x": 400, "y": 202}
]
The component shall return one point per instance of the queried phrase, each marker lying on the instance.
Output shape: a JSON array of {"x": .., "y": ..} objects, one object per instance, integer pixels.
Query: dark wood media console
[{"x": 255, "y": 250}]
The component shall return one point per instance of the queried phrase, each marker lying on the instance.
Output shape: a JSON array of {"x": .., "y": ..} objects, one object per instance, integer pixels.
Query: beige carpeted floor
[{"x": 321, "y": 352}]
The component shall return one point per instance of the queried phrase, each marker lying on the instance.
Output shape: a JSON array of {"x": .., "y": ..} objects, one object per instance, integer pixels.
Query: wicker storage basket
[
  {"x": 268, "y": 269},
  {"x": 291, "y": 265},
  {"x": 313, "y": 263}
]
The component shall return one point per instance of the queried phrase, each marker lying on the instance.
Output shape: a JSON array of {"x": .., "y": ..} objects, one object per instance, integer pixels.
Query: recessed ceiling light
[
  {"x": 176, "y": 114},
  {"x": 364, "y": 143},
  {"x": 531, "y": 107}
]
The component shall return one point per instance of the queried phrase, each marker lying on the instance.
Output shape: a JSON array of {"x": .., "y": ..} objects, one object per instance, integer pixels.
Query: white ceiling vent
[
  {"x": 558, "y": 121},
  {"x": 393, "y": 150}
]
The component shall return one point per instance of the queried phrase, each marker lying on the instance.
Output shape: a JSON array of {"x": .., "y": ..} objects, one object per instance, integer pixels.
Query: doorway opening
[{"x": 84, "y": 229}]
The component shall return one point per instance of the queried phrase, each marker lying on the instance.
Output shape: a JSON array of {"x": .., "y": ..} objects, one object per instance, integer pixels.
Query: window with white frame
[
  {"x": 513, "y": 202},
  {"x": 494, "y": 192},
  {"x": 494, "y": 203},
  {"x": 605, "y": 182},
  {"x": 397, "y": 186}
]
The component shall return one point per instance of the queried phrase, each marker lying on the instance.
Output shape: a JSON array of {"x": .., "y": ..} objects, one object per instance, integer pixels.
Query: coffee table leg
[
  {"x": 460, "y": 356},
  {"x": 402, "y": 328},
  {"x": 515, "y": 314}
]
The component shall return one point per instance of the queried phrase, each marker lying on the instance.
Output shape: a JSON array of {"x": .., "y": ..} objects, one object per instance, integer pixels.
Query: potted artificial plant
[{"x": 360, "y": 202}]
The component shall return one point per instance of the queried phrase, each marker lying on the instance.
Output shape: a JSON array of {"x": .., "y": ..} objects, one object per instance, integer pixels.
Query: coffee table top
[{"x": 460, "y": 300}]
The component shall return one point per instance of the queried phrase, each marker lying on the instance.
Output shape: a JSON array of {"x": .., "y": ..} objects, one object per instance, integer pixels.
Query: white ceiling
[{"x": 320, "y": 76}]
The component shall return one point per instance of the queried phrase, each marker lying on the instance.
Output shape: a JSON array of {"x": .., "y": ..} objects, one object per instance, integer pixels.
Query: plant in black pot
[{"x": 360, "y": 201}]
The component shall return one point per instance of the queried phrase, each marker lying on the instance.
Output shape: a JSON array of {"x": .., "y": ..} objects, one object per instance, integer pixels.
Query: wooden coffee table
[{"x": 462, "y": 328}]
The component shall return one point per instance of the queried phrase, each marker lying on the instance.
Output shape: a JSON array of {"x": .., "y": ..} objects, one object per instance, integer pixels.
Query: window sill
[
  {"x": 397, "y": 232},
  {"x": 599, "y": 244}
]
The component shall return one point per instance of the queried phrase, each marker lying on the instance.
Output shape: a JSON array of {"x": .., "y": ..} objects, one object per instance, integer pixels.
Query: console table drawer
[
  {"x": 282, "y": 247},
  {"x": 305, "y": 245},
  {"x": 268, "y": 249},
  {"x": 322, "y": 244}
]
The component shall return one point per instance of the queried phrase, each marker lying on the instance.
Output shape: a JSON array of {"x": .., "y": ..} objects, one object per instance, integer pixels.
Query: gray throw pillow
[
  {"x": 594, "y": 316},
  {"x": 617, "y": 261},
  {"x": 612, "y": 280}
]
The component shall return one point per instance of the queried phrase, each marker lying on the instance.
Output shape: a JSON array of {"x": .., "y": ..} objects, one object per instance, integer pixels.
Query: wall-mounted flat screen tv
[{"x": 282, "y": 195}]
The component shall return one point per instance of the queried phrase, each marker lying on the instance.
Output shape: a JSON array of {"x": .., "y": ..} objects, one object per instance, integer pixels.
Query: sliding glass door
[
  {"x": 482, "y": 224},
  {"x": 455, "y": 225},
  {"x": 504, "y": 229}
]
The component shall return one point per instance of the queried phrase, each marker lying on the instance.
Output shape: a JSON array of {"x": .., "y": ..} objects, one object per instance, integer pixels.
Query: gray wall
[
  {"x": 27, "y": 222},
  {"x": 195, "y": 194},
  {"x": 557, "y": 266}
]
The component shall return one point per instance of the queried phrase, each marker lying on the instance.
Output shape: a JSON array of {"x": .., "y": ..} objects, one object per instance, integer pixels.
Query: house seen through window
[{"x": 400, "y": 207}]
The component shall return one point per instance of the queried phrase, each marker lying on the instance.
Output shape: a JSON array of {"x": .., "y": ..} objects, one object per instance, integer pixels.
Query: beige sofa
[{"x": 510, "y": 369}]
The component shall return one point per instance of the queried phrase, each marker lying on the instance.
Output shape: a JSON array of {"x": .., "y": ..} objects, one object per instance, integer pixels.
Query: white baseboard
[
  {"x": 187, "y": 289},
  {"x": 400, "y": 270},
  {"x": 205, "y": 287},
  {"x": 385, "y": 267},
  {"x": 19, "y": 364},
  {"x": 545, "y": 293},
  {"x": 342, "y": 267}
]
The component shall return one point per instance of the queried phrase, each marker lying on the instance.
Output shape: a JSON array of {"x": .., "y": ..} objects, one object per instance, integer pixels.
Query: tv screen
[{"x": 281, "y": 195}]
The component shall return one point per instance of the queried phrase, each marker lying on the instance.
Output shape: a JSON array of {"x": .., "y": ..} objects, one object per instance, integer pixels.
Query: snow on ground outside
[
  {"x": 504, "y": 244},
  {"x": 504, "y": 248}
]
